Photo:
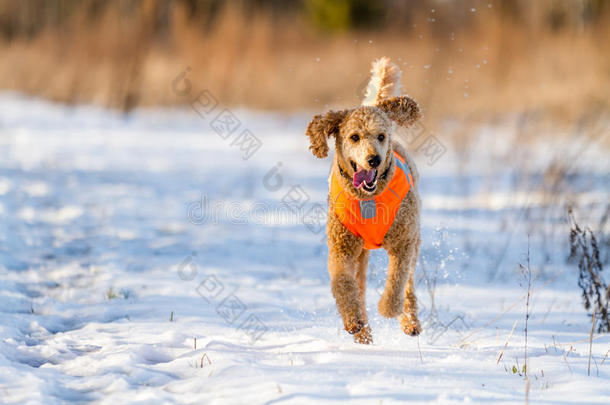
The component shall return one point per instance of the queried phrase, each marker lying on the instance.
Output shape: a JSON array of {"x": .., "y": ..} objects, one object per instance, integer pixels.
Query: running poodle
[{"x": 373, "y": 201}]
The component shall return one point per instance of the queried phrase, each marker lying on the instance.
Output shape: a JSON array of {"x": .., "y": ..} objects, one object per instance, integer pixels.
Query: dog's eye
[
  {"x": 381, "y": 137},
  {"x": 355, "y": 137}
]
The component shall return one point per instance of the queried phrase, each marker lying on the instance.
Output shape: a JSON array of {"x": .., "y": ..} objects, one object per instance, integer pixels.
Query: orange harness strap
[{"x": 371, "y": 219}]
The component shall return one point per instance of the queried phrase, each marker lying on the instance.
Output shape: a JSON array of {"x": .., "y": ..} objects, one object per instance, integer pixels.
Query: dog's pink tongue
[{"x": 363, "y": 175}]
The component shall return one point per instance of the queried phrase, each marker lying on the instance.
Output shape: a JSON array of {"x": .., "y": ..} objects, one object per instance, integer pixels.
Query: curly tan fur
[
  {"x": 320, "y": 128},
  {"x": 404, "y": 110},
  {"x": 385, "y": 82},
  {"x": 347, "y": 258}
]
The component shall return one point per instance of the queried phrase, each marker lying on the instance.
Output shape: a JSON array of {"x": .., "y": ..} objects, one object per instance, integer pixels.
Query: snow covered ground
[{"x": 146, "y": 258}]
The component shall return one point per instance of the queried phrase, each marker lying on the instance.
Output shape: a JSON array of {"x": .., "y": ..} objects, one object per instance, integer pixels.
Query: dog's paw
[
  {"x": 390, "y": 305},
  {"x": 410, "y": 325},
  {"x": 354, "y": 326},
  {"x": 364, "y": 336}
]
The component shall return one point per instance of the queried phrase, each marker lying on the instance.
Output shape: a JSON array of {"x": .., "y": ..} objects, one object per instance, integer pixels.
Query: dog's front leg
[
  {"x": 345, "y": 289},
  {"x": 343, "y": 254},
  {"x": 364, "y": 336}
]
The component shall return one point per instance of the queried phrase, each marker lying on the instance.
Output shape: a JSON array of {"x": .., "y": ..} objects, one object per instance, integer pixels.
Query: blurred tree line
[
  {"x": 27, "y": 18},
  {"x": 123, "y": 53}
]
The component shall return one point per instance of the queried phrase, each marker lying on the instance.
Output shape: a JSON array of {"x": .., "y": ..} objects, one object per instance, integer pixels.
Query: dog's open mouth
[{"x": 367, "y": 179}]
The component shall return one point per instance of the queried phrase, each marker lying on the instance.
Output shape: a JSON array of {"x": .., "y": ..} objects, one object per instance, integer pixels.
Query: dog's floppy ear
[
  {"x": 403, "y": 110},
  {"x": 321, "y": 127}
]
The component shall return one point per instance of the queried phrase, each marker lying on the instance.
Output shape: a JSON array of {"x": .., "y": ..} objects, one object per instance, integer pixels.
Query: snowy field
[{"x": 143, "y": 259}]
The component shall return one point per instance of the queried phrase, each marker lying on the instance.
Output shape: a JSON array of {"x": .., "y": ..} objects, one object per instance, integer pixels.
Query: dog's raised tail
[{"x": 384, "y": 83}]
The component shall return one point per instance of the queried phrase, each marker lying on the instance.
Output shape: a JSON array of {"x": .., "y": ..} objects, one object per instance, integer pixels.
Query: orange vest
[{"x": 371, "y": 219}]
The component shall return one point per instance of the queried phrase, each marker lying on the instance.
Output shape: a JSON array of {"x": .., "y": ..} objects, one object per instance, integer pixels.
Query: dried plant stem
[
  {"x": 419, "y": 349},
  {"x": 463, "y": 342},
  {"x": 584, "y": 250},
  {"x": 605, "y": 357},
  {"x": 528, "y": 278},
  {"x": 580, "y": 341},
  {"x": 205, "y": 356},
  {"x": 507, "y": 339},
  {"x": 566, "y": 360},
  {"x": 591, "y": 343}
]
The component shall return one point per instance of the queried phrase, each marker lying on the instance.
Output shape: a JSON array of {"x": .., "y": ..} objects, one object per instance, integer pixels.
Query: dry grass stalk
[
  {"x": 591, "y": 342},
  {"x": 507, "y": 340}
]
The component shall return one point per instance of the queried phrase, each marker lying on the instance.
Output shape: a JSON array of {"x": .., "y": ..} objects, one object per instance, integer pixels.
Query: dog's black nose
[{"x": 374, "y": 161}]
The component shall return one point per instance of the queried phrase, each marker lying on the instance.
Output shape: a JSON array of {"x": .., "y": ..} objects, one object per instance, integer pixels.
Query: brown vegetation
[{"x": 548, "y": 58}]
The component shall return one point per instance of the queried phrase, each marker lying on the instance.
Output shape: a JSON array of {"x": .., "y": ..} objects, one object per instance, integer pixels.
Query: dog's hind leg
[
  {"x": 399, "y": 295},
  {"x": 400, "y": 281},
  {"x": 364, "y": 336},
  {"x": 391, "y": 302}
]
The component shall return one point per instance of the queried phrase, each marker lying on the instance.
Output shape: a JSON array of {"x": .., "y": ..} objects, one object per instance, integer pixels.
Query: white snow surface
[{"x": 115, "y": 288}]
